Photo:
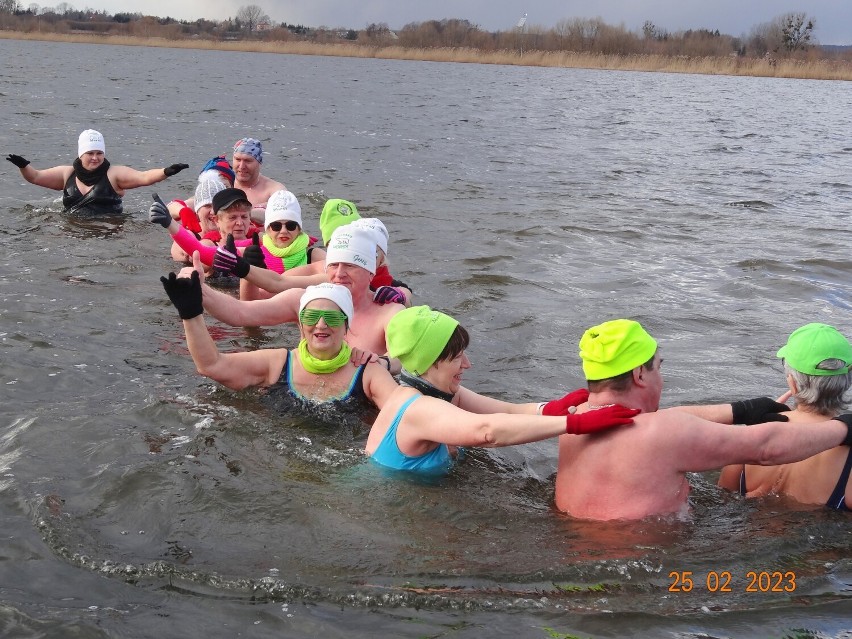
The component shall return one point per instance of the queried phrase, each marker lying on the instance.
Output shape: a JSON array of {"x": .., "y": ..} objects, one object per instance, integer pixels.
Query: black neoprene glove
[
  {"x": 174, "y": 168},
  {"x": 185, "y": 294},
  {"x": 758, "y": 410},
  {"x": 846, "y": 418},
  {"x": 17, "y": 160},
  {"x": 159, "y": 212},
  {"x": 253, "y": 253}
]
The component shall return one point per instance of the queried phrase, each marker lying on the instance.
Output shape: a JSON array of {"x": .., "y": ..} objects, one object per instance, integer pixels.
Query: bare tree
[
  {"x": 9, "y": 6},
  {"x": 250, "y": 16},
  {"x": 796, "y": 31}
]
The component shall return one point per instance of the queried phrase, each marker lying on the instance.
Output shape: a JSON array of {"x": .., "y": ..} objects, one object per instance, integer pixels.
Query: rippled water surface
[{"x": 140, "y": 500}]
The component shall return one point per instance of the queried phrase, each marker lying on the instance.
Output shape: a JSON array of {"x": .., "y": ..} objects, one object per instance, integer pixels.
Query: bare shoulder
[
  {"x": 387, "y": 311},
  {"x": 270, "y": 186}
]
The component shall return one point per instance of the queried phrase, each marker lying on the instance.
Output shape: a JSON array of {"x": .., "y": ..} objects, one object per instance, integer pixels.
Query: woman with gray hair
[{"x": 817, "y": 361}]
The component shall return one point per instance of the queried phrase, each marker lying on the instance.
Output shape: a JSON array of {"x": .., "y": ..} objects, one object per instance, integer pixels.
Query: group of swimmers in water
[{"x": 364, "y": 344}]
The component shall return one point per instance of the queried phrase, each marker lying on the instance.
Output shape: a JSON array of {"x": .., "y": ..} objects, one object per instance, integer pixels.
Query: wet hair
[
  {"x": 458, "y": 342},
  {"x": 824, "y": 394},
  {"x": 619, "y": 383}
]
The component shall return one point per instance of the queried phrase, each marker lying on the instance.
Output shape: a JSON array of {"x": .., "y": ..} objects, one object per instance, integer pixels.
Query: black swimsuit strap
[
  {"x": 837, "y": 500},
  {"x": 418, "y": 383}
]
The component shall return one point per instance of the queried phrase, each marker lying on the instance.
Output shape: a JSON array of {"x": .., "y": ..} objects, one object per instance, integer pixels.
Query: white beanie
[
  {"x": 281, "y": 206},
  {"x": 90, "y": 140},
  {"x": 352, "y": 246},
  {"x": 374, "y": 225},
  {"x": 337, "y": 293},
  {"x": 213, "y": 174},
  {"x": 205, "y": 191}
]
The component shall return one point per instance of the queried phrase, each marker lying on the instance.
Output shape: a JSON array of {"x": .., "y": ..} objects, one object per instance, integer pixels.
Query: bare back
[{"x": 620, "y": 474}]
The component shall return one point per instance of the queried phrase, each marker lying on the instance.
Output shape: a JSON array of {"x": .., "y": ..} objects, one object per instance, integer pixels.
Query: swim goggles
[
  {"x": 333, "y": 319},
  {"x": 289, "y": 224}
]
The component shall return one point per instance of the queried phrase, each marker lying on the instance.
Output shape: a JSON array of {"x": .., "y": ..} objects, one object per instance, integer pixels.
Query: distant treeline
[{"x": 787, "y": 36}]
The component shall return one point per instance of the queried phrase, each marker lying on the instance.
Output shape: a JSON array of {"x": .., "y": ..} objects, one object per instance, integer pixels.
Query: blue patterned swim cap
[{"x": 251, "y": 147}]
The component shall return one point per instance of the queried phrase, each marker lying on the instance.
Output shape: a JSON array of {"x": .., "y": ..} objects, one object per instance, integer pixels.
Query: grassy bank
[{"x": 816, "y": 69}]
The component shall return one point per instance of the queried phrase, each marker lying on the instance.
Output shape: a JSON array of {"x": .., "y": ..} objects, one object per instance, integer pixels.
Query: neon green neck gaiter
[
  {"x": 323, "y": 366},
  {"x": 293, "y": 255}
]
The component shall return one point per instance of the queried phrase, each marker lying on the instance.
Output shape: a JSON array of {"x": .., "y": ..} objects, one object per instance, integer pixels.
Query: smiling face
[
  {"x": 246, "y": 168},
  {"x": 324, "y": 341},
  {"x": 446, "y": 374},
  {"x": 234, "y": 220},
  {"x": 92, "y": 160},
  {"x": 283, "y": 237},
  {"x": 353, "y": 277},
  {"x": 207, "y": 218}
]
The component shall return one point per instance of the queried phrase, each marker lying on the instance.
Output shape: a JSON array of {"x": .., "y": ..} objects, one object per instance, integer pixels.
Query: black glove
[
  {"x": 846, "y": 418},
  {"x": 758, "y": 410},
  {"x": 17, "y": 160},
  {"x": 174, "y": 168},
  {"x": 253, "y": 254},
  {"x": 228, "y": 261},
  {"x": 185, "y": 294},
  {"x": 159, "y": 212}
]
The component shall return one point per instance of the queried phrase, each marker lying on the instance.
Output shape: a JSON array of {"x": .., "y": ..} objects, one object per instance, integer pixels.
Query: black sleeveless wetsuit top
[{"x": 102, "y": 198}]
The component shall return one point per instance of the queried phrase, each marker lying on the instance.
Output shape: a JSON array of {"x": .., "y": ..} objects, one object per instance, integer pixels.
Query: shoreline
[{"x": 818, "y": 69}]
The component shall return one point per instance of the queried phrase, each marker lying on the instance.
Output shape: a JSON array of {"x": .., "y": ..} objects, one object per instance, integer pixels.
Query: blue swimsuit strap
[{"x": 837, "y": 500}]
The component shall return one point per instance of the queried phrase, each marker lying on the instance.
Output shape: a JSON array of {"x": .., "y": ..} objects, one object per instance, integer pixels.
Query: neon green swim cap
[
  {"x": 615, "y": 347},
  {"x": 811, "y": 345},
  {"x": 417, "y": 335},
  {"x": 336, "y": 212}
]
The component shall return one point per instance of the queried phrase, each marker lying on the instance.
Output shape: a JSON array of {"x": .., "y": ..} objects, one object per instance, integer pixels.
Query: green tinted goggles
[{"x": 311, "y": 316}]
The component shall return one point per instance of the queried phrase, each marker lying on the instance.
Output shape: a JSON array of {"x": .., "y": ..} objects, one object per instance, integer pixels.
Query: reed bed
[{"x": 816, "y": 69}]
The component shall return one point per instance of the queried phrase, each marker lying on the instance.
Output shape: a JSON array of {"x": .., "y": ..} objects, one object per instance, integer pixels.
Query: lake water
[{"x": 140, "y": 500}]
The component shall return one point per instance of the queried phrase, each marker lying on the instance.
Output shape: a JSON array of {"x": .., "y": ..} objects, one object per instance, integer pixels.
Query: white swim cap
[
  {"x": 281, "y": 206},
  {"x": 350, "y": 245},
  {"x": 90, "y": 140},
  {"x": 374, "y": 225},
  {"x": 337, "y": 293}
]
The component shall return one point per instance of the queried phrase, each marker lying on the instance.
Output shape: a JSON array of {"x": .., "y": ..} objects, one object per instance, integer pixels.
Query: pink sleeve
[{"x": 189, "y": 243}]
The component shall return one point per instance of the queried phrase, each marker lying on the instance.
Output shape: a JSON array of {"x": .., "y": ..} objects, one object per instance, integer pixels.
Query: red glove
[
  {"x": 601, "y": 419},
  {"x": 188, "y": 218},
  {"x": 561, "y": 406}
]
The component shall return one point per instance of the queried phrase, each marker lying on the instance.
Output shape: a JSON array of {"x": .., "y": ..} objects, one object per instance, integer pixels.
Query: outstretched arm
[
  {"x": 53, "y": 178},
  {"x": 435, "y": 420},
  {"x": 696, "y": 445},
  {"x": 275, "y": 283},
  {"x": 126, "y": 178},
  {"x": 476, "y": 403},
  {"x": 234, "y": 370}
]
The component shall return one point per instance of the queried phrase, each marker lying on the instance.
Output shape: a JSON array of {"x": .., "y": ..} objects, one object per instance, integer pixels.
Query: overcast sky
[{"x": 733, "y": 17}]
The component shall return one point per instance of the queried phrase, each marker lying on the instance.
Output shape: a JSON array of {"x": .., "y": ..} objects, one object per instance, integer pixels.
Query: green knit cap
[
  {"x": 417, "y": 335},
  {"x": 615, "y": 347},
  {"x": 336, "y": 212}
]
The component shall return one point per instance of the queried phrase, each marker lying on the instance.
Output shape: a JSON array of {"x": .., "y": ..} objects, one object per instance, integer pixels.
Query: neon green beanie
[
  {"x": 417, "y": 335},
  {"x": 812, "y": 344},
  {"x": 336, "y": 212},
  {"x": 615, "y": 347}
]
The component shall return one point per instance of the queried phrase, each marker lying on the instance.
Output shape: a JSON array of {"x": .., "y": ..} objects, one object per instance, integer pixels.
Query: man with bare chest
[{"x": 247, "y": 162}]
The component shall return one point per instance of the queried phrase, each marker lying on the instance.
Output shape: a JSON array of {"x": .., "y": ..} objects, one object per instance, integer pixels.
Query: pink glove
[
  {"x": 600, "y": 419},
  {"x": 561, "y": 406},
  {"x": 389, "y": 295}
]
